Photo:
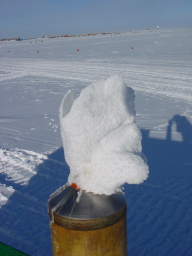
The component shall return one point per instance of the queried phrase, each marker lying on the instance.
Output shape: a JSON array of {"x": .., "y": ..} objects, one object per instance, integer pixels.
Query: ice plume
[{"x": 101, "y": 140}]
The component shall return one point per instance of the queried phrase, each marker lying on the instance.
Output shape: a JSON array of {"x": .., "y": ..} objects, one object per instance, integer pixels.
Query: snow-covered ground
[{"x": 34, "y": 76}]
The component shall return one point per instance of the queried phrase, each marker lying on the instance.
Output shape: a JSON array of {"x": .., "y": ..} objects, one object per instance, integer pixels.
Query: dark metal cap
[{"x": 81, "y": 210}]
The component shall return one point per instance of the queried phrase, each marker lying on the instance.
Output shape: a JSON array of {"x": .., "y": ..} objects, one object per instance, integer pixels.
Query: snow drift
[{"x": 101, "y": 140}]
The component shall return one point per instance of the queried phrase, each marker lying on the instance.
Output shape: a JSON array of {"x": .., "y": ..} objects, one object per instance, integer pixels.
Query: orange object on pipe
[{"x": 75, "y": 186}]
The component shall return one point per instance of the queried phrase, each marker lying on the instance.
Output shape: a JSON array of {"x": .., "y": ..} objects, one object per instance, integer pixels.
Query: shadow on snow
[
  {"x": 160, "y": 210},
  {"x": 24, "y": 220},
  {"x": 159, "y": 215}
]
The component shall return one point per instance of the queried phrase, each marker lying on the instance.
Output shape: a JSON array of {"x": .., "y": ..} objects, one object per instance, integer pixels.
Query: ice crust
[{"x": 101, "y": 140}]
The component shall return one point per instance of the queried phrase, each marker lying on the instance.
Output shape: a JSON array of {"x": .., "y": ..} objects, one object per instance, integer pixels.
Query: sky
[{"x": 28, "y": 18}]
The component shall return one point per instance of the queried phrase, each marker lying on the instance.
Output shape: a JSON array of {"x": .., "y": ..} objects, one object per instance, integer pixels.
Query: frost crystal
[{"x": 101, "y": 140}]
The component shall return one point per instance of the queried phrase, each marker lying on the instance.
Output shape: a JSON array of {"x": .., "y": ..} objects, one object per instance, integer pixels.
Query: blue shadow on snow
[{"x": 159, "y": 211}]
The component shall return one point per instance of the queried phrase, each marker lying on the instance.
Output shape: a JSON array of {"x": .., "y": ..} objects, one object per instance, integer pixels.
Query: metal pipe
[{"x": 87, "y": 225}]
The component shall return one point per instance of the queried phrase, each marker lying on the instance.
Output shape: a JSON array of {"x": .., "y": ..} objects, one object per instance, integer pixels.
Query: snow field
[{"x": 157, "y": 65}]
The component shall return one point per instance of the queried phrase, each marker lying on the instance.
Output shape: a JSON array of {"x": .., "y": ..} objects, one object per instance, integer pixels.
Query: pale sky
[{"x": 27, "y": 18}]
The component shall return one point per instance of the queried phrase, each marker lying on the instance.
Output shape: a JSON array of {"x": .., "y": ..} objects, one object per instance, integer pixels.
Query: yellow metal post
[{"x": 92, "y": 225}]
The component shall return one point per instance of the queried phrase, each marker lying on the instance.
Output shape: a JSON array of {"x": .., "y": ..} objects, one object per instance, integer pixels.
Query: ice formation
[{"x": 101, "y": 140}]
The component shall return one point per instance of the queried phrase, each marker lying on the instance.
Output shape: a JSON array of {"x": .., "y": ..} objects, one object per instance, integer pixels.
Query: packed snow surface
[
  {"x": 34, "y": 76},
  {"x": 101, "y": 139}
]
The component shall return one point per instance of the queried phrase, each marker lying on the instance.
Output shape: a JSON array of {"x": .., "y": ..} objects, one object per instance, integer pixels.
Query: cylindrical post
[{"x": 87, "y": 225}]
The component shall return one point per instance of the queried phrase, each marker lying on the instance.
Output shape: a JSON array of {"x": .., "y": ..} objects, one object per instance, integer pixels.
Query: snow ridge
[{"x": 19, "y": 165}]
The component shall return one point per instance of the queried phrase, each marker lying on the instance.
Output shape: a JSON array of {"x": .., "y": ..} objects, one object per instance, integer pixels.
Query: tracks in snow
[{"x": 172, "y": 81}]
